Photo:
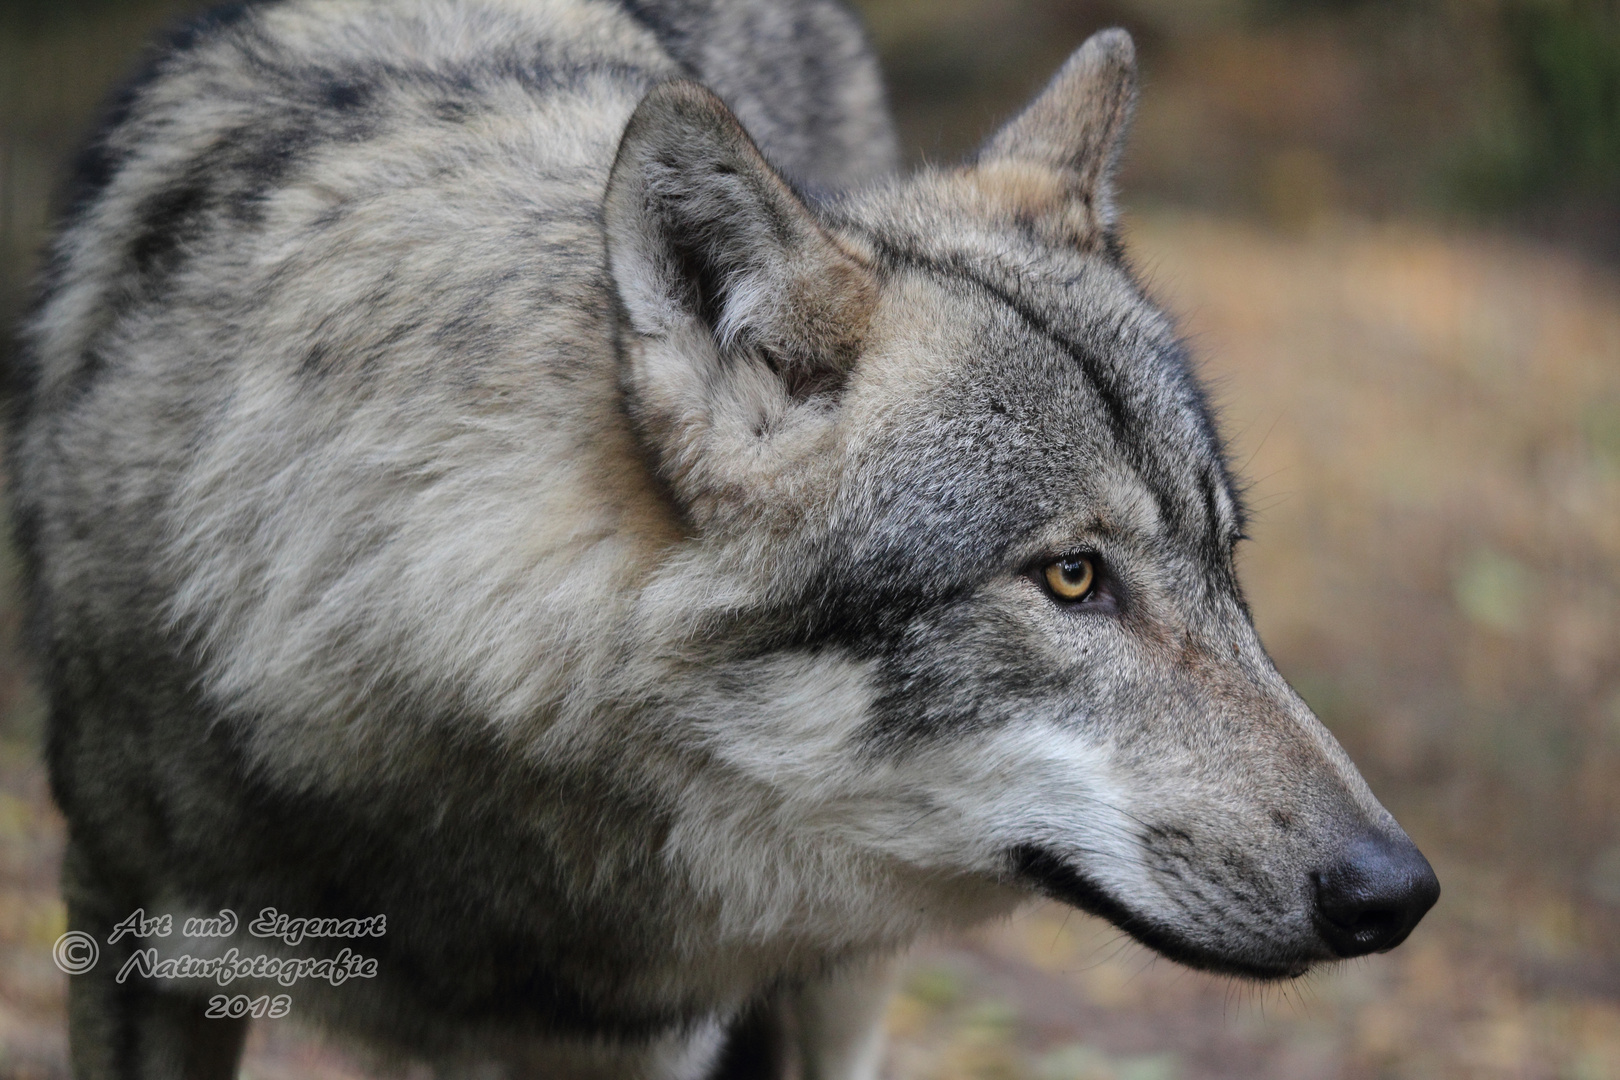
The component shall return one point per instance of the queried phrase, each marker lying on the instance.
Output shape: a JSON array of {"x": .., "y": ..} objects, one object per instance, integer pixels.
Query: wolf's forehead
[{"x": 1036, "y": 388}]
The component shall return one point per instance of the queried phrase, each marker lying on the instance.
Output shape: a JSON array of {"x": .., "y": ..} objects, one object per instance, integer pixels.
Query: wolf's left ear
[
  {"x": 701, "y": 229},
  {"x": 1077, "y": 125}
]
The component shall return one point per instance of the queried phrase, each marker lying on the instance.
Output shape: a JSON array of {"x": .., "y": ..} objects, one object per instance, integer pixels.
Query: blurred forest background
[{"x": 1392, "y": 230}]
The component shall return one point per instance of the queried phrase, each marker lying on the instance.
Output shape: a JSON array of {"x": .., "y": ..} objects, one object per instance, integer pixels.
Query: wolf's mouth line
[{"x": 1054, "y": 878}]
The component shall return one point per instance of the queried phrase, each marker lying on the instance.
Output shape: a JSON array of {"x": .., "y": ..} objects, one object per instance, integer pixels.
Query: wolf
[{"x": 528, "y": 477}]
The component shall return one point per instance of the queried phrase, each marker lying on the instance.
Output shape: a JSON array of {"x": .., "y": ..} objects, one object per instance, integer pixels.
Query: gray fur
[{"x": 465, "y": 480}]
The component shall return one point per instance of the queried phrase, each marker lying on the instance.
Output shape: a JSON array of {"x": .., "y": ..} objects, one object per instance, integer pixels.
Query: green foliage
[
  {"x": 1564, "y": 58},
  {"x": 1493, "y": 590},
  {"x": 28, "y": 15}
]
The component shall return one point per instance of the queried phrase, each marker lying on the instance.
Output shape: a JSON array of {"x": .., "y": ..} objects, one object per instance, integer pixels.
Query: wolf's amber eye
[{"x": 1071, "y": 578}]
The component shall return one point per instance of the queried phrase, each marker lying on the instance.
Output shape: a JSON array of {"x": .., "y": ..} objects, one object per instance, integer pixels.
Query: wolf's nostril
[{"x": 1373, "y": 896}]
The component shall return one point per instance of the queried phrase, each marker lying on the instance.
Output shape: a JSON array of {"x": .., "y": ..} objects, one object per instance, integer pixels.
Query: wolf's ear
[
  {"x": 743, "y": 310},
  {"x": 701, "y": 229},
  {"x": 1077, "y": 125}
]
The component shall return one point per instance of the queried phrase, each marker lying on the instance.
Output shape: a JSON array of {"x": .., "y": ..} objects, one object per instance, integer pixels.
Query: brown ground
[{"x": 1431, "y": 423}]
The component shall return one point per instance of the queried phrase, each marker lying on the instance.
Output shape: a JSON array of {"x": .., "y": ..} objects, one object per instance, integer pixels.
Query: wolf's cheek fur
[{"x": 1183, "y": 792}]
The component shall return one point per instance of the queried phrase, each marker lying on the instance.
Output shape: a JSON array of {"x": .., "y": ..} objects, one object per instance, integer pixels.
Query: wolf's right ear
[
  {"x": 701, "y": 228},
  {"x": 1076, "y": 126}
]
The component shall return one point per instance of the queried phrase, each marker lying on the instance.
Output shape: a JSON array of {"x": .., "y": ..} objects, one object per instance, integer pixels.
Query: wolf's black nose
[{"x": 1371, "y": 898}]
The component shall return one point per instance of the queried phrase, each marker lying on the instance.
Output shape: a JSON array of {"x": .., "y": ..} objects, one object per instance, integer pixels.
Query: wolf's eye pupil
[{"x": 1071, "y": 579}]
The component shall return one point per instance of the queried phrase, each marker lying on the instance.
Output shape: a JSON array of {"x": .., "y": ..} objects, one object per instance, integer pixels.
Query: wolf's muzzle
[{"x": 1374, "y": 895}]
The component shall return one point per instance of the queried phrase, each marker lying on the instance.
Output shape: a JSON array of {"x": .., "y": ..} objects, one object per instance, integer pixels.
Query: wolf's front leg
[
  {"x": 127, "y": 1032},
  {"x": 840, "y": 1021},
  {"x": 133, "y": 1030}
]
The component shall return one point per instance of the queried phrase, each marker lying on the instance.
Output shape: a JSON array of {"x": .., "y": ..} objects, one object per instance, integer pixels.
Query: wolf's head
[{"x": 962, "y": 611}]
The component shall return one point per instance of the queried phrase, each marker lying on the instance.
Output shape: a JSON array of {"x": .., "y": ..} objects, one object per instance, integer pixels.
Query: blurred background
[{"x": 1391, "y": 229}]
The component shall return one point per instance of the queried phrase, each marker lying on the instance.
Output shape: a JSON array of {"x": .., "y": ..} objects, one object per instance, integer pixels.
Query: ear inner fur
[{"x": 700, "y": 226}]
